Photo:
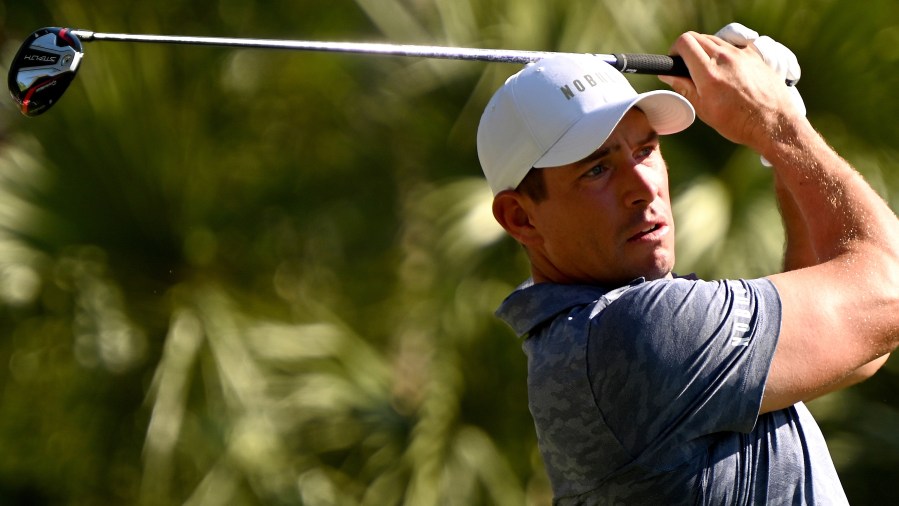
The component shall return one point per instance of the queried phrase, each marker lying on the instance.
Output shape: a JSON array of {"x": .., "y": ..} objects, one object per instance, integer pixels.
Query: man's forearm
[
  {"x": 798, "y": 251},
  {"x": 844, "y": 211}
]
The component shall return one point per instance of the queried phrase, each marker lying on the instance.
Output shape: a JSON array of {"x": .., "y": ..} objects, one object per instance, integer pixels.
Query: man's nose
[{"x": 642, "y": 184}]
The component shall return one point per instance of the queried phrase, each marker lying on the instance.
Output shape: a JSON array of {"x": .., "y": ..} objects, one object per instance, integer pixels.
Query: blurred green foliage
[{"x": 261, "y": 277}]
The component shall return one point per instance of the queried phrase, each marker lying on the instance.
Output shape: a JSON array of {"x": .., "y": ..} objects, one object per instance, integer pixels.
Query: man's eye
[
  {"x": 596, "y": 170},
  {"x": 643, "y": 153}
]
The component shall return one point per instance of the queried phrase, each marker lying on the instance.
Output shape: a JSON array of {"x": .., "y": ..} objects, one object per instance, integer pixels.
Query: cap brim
[{"x": 666, "y": 111}]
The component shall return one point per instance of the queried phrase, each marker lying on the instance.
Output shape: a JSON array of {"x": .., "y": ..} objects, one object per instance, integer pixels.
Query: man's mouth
[{"x": 653, "y": 231}]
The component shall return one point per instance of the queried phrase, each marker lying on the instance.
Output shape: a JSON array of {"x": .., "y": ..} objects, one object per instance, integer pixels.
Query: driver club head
[{"x": 43, "y": 68}]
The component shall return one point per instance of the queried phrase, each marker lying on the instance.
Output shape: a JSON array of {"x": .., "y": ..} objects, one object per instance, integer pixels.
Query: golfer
[{"x": 646, "y": 387}]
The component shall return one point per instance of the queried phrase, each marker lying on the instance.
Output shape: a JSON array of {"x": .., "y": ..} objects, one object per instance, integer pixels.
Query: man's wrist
[{"x": 785, "y": 138}]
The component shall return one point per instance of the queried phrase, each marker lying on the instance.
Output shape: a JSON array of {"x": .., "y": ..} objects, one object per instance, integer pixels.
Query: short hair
[{"x": 533, "y": 186}]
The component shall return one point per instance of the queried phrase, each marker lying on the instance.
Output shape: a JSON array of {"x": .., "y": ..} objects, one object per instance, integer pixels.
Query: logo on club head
[{"x": 40, "y": 58}]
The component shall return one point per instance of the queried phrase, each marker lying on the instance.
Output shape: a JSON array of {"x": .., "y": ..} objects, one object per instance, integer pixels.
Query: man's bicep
[{"x": 830, "y": 328}]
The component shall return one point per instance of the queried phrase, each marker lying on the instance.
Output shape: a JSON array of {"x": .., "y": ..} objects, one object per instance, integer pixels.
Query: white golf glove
[{"x": 776, "y": 55}]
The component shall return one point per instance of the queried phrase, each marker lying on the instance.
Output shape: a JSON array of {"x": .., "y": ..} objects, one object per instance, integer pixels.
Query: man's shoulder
[
  {"x": 670, "y": 306},
  {"x": 532, "y": 304}
]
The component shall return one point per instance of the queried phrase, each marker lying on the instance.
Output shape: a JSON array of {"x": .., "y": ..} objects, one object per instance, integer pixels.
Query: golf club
[{"x": 48, "y": 60}]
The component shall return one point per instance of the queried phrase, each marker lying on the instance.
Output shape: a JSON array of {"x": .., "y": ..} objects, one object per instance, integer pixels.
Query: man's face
[{"x": 606, "y": 219}]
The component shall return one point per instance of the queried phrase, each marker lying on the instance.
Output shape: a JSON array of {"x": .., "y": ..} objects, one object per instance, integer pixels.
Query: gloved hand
[{"x": 776, "y": 55}]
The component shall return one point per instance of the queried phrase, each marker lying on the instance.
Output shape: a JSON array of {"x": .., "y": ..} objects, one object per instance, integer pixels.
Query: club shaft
[{"x": 631, "y": 63}]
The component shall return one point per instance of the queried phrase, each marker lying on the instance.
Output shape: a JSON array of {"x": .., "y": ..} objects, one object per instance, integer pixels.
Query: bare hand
[{"x": 733, "y": 90}]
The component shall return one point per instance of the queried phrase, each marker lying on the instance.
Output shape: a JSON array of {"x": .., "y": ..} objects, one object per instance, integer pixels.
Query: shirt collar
[{"x": 532, "y": 304}]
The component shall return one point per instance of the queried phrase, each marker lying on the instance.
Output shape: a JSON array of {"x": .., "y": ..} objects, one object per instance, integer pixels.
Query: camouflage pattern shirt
[{"x": 650, "y": 394}]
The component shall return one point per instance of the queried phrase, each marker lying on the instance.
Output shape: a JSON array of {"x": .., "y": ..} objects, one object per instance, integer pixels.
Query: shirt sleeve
[{"x": 673, "y": 361}]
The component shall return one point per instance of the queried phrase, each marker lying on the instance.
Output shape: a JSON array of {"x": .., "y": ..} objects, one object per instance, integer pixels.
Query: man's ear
[{"x": 513, "y": 211}]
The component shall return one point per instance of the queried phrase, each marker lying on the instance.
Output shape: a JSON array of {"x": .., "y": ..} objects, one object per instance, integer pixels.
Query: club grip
[{"x": 655, "y": 64}]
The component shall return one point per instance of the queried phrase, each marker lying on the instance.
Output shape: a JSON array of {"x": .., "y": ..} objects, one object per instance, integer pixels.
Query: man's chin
[
  {"x": 659, "y": 275},
  {"x": 661, "y": 269}
]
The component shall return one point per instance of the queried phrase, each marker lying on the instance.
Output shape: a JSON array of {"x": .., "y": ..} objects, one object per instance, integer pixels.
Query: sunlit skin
[{"x": 607, "y": 218}]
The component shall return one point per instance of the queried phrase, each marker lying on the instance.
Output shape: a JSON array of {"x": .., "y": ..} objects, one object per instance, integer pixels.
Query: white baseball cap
[{"x": 559, "y": 110}]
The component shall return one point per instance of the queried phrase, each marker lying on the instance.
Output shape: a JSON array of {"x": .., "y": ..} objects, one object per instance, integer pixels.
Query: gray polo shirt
[{"x": 650, "y": 394}]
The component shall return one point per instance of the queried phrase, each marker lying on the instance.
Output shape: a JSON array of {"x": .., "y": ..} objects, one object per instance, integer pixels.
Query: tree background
[{"x": 259, "y": 277}]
